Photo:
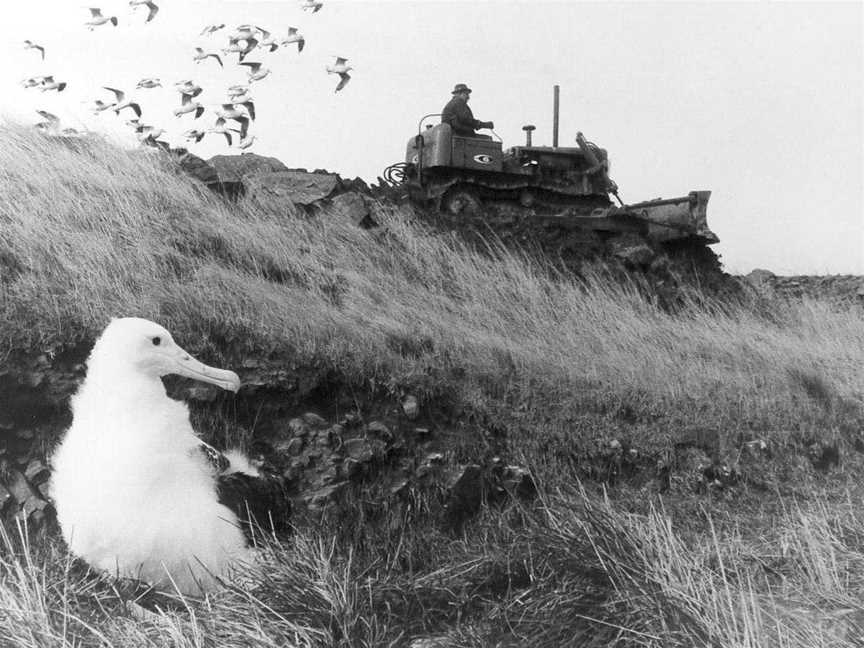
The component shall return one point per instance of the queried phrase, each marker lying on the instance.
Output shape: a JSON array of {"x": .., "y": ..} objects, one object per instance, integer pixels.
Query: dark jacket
[{"x": 459, "y": 116}]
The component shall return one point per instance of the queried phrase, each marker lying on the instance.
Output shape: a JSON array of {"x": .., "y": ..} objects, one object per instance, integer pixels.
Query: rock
[
  {"x": 326, "y": 494},
  {"x": 351, "y": 207},
  {"x": 313, "y": 420},
  {"x": 274, "y": 191},
  {"x": 297, "y": 427},
  {"x": 631, "y": 248},
  {"x": 292, "y": 448},
  {"x": 25, "y": 495},
  {"x": 411, "y": 407},
  {"x": 202, "y": 393},
  {"x": 379, "y": 430},
  {"x": 298, "y": 187},
  {"x": 37, "y": 472},
  {"x": 196, "y": 167},
  {"x": 759, "y": 276},
  {"x": 465, "y": 494},
  {"x": 358, "y": 449},
  {"x": 235, "y": 168},
  {"x": 351, "y": 468}
]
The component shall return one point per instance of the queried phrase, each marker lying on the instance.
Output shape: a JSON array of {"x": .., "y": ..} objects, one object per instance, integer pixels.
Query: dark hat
[{"x": 460, "y": 87}]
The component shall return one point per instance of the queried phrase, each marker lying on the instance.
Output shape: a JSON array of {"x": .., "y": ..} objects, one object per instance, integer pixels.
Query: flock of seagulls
[{"x": 234, "y": 115}]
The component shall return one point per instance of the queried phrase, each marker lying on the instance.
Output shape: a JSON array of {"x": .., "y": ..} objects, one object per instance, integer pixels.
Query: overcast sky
[{"x": 759, "y": 102}]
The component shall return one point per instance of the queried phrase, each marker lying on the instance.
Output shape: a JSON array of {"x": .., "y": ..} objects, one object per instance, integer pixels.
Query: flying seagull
[
  {"x": 193, "y": 134},
  {"x": 135, "y": 495},
  {"x": 201, "y": 55},
  {"x": 122, "y": 103},
  {"x": 234, "y": 46},
  {"x": 294, "y": 36},
  {"x": 189, "y": 87},
  {"x": 314, "y": 5},
  {"x": 210, "y": 29},
  {"x": 229, "y": 111},
  {"x": 243, "y": 32},
  {"x": 100, "y": 106},
  {"x": 267, "y": 41},
  {"x": 154, "y": 9},
  {"x": 28, "y": 44},
  {"x": 96, "y": 19},
  {"x": 256, "y": 72},
  {"x": 221, "y": 127},
  {"x": 340, "y": 68},
  {"x": 188, "y": 106},
  {"x": 238, "y": 91},
  {"x": 48, "y": 83},
  {"x": 51, "y": 125},
  {"x": 34, "y": 82},
  {"x": 246, "y": 142},
  {"x": 148, "y": 82},
  {"x": 145, "y": 133}
]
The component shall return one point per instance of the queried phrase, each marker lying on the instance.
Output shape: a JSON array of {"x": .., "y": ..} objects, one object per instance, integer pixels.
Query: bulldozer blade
[{"x": 658, "y": 220}]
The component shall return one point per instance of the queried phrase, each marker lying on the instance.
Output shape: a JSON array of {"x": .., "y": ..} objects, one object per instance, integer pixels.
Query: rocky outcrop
[{"x": 833, "y": 288}]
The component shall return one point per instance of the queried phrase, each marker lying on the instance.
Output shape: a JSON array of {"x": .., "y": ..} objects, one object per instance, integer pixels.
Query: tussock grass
[{"x": 559, "y": 362}]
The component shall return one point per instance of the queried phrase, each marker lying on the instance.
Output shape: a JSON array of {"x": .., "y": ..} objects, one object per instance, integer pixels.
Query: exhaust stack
[
  {"x": 555, "y": 118},
  {"x": 528, "y": 128}
]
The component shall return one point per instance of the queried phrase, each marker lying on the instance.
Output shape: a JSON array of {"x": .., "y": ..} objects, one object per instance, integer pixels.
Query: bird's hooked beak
[{"x": 185, "y": 365}]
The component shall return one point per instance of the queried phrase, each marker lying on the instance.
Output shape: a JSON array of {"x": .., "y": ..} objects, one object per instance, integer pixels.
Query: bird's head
[{"x": 132, "y": 344}]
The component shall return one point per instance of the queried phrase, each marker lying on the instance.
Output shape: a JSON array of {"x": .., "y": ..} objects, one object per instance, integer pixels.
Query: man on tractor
[{"x": 459, "y": 115}]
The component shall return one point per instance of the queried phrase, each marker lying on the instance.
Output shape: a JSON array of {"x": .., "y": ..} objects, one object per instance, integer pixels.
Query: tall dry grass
[
  {"x": 106, "y": 232},
  {"x": 99, "y": 232}
]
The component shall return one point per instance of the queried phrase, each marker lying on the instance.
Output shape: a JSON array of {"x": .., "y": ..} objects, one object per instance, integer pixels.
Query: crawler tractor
[{"x": 568, "y": 187}]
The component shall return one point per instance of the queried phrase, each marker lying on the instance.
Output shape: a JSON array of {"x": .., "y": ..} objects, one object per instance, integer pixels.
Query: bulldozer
[{"x": 565, "y": 186}]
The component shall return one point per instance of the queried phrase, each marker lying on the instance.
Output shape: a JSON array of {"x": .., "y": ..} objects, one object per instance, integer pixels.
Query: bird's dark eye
[{"x": 156, "y": 341}]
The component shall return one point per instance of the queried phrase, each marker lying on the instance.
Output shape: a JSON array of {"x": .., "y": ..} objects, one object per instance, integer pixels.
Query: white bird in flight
[
  {"x": 201, "y": 55},
  {"x": 237, "y": 91},
  {"x": 341, "y": 68},
  {"x": 51, "y": 125},
  {"x": 267, "y": 41},
  {"x": 96, "y": 19},
  {"x": 210, "y": 29},
  {"x": 152, "y": 6},
  {"x": 100, "y": 106},
  {"x": 193, "y": 134},
  {"x": 33, "y": 82},
  {"x": 188, "y": 106},
  {"x": 294, "y": 36},
  {"x": 221, "y": 126},
  {"x": 256, "y": 72},
  {"x": 28, "y": 44},
  {"x": 230, "y": 111},
  {"x": 122, "y": 102},
  {"x": 187, "y": 86},
  {"x": 246, "y": 142},
  {"x": 48, "y": 83},
  {"x": 149, "y": 82},
  {"x": 234, "y": 45},
  {"x": 135, "y": 496},
  {"x": 314, "y": 5}
]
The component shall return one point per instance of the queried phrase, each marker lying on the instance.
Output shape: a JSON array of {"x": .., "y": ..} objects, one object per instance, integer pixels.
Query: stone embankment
[{"x": 832, "y": 288}]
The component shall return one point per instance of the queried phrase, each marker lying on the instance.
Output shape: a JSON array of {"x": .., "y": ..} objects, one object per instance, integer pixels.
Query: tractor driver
[{"x": 459, "y": 115}]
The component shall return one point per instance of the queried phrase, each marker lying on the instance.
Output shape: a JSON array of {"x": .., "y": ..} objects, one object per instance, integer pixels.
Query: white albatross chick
[{"x": 134, "y": 494}]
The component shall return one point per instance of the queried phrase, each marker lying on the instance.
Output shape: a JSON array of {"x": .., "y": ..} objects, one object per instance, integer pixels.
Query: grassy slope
[{"x": 87, "y": 236}]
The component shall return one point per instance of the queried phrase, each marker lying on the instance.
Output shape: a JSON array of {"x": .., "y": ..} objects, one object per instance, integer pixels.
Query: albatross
[{"x": 135, "y": 496}]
